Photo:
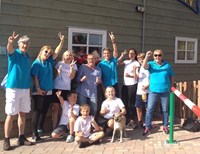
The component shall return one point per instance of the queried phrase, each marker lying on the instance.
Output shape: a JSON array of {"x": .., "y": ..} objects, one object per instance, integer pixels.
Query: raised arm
[
  {"x": 120, "y": 59},
  {"x": 11, "y": 39},
  {"x": 72, "y": 71},
  {"x": 60, "y": 45},
  {"x": 146, "y": 59},
  {"x": 58, "y": 93},
  {"x": 113, "y": 40}
]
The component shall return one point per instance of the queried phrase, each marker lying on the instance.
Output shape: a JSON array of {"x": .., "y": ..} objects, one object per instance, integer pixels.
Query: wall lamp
[{"x": 140, "y": 9}]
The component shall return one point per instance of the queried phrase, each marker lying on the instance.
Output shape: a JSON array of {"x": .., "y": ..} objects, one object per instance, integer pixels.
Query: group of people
[{"x": 144, "y": 83}]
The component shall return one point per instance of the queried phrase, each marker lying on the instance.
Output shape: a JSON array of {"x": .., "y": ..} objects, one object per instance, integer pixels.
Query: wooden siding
[
  {"x": 42, "y": 19},
  {"x": 166, "y": 19}
]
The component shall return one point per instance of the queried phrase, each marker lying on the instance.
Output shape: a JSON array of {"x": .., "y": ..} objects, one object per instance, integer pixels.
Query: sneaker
[
  {"x": 140, "y": 125},
  {"x": 23, "y": 141},
  {"x": 146, "y": 132},
  {"x": 6, "y": 144},
  {"x": 165, "y": 130},
  {"x": 36, "y": 138},
  {"x": 40, "y": 131},
  {"x": 70, "y": 138},
  {"x": 84, "y": 144}
]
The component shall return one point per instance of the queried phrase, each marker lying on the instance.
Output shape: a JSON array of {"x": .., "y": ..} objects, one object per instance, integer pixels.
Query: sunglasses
[
  {"x": 157, "y": 55},
  {"x": 47, "y": 52}
]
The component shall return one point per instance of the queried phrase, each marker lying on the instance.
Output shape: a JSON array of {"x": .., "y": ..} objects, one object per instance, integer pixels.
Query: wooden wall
[{"x": 43, "y": 19}]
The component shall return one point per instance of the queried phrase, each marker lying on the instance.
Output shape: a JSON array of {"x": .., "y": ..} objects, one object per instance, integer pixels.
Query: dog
[{"x": 119, "y": 124}]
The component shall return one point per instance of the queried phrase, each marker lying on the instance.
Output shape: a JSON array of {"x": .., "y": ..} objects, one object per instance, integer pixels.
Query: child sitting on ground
[
  {"x": 110, "y": 107},
  {"x": 82, "y": 128},
  {"x": 70, "y": 112}
]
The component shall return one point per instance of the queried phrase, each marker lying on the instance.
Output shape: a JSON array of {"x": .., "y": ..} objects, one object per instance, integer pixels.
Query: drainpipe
[{"x": 143, "y": 25}]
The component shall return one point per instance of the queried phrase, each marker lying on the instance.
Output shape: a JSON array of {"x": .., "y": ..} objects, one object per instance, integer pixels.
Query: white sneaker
[{"x": 70, "y": 138}]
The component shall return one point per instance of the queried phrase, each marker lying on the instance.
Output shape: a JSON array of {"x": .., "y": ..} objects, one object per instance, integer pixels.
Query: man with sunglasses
[{"x": 161, "y": 80}]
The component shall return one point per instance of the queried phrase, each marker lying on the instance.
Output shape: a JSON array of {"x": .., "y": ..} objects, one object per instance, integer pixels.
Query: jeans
[
  {"x": 151, "y": 104},
  {"x": 92, "y": 102}
]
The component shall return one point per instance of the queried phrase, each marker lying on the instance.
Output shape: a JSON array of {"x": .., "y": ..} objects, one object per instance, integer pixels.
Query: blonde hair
[
  {"x": 140, "y": 55},
  {"x": 47, "y": 47},
  {"x": 84, "y": 106},
  {"x": 109, "y": 87},
  {"x": 68, "y": 51}
]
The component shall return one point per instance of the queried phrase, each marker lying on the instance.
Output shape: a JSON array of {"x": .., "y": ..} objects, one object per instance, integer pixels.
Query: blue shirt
[
  {"x": 19, "y": 67},
  {"x": 88, "y": 87},
  {"x": 44, "y": 72},
  {"x": 109, "y": 72},
  {"x": 160, "y": 76}
]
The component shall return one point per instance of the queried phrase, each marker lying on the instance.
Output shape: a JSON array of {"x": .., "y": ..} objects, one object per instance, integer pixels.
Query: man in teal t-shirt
[{"x": 17, "y": 88}]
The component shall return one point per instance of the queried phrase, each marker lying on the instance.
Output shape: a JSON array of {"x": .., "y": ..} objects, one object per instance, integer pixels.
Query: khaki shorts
[{"x": 17, "y": 100}]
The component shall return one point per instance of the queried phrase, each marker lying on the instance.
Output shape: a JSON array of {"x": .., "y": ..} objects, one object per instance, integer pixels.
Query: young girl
[
  {"x": 111, "y": 106},
  {"x": 82, "y": 128},
  {"x": 66, "y": 72}
]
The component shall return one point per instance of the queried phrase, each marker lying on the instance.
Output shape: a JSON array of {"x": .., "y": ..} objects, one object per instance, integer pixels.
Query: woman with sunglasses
[
  {"x": 42, "y": 73},
  {"x": 161, "y": 80}
]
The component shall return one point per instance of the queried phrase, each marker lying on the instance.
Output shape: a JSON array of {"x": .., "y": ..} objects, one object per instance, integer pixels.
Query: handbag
[{"x": 4, "y": 81}]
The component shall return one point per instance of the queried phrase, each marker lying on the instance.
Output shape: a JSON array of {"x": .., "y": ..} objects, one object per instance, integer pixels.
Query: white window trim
[
  {"x": 195, "y": 40},
  {"x": 90, "y": 31}
]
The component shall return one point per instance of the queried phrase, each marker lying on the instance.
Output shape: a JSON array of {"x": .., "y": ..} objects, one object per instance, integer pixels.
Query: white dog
[{"x": 119, "y": 124}]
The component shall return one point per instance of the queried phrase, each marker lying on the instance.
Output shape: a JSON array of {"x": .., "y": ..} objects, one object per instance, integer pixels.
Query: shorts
[
  {"x": 63, "y": 94},
  {"x": 103, "y": 122},
  {"x": 17, "y": 100},
  {"x": 139, "y": 103},
  {"x": 60, "y": 129}
]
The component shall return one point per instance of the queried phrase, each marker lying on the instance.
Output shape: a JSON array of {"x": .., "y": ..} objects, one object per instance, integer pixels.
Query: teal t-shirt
[
  {"x": 44, "y": 71},
  {"x": 160, "y": 76},
  {"x": 109, "y": 72},
  {"x": 19, "y": 74}
]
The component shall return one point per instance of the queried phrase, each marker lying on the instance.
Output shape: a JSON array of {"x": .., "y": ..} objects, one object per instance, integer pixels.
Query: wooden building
[{"x": 171, "y": 25}]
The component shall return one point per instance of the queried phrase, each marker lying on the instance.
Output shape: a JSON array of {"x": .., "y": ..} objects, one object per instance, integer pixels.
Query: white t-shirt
[
  {"x": 63, "y": 81},
  {"x": 83, "y": 125},
  {"x": 142, "y": 81},
  {"x": 128, "y": 68},
  {"x": 64, "y": 120},
  {"x": 113, "y": 106}
]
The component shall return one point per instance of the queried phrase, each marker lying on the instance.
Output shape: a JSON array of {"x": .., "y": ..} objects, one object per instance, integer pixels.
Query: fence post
[{"x": 171, "y": 117}]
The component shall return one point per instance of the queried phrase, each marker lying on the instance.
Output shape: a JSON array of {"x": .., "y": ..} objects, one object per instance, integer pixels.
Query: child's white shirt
[
  {"x": 143, "y": 80},
  {"x": 64, "y": 120},
  {"x": 83, "y": 125},
  {"x": 113, "y": 106}
]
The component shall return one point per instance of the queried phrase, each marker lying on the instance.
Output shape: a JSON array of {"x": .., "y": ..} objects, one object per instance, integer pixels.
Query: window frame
[
  {"x": 186, "y": 39},
  {"x": 72, "y": 30}
]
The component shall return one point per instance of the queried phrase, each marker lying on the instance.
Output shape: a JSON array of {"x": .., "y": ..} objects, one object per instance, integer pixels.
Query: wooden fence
[{"x": 191, "y": 89}]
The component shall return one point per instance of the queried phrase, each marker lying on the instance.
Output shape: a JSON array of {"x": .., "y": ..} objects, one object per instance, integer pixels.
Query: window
[
  {"x": 185, "y": 50},
  {"x": 85, "y": 41}
]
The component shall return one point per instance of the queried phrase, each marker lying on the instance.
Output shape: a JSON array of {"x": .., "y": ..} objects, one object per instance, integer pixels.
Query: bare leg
[
  {"x": 21, "y": 122},
  {"x": 139, "y": 114},
  {"x": 71, "y": 126},
  {"x": 55, "y": 112},
  {"x": 8, "y": 125}
]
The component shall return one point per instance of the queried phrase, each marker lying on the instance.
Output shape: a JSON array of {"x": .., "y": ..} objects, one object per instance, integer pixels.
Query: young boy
[
  {"x": 70, "y": 112},
  {"x": 142, "y": 76},
  {"x": 110, "y": 107},
  {"x": 82, "y": 128}
]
